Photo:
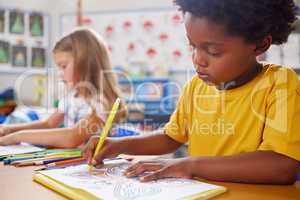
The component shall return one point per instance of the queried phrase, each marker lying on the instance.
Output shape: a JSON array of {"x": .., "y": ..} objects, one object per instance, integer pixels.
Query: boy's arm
[
  {"x": 260, "y": 167},
  {"x": 52, "y": 122},
  {"x": 264, "y": 167}
]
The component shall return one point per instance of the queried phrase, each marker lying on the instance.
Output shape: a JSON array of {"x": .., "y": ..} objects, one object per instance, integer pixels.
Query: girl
[{"x": 83, "y": 59}]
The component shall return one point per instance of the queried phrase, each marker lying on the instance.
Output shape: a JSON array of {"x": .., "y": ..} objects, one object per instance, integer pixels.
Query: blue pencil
[{"x": 10, "y": 160}]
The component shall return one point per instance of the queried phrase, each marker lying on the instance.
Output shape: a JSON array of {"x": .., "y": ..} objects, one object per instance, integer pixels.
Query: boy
[{"x": 240, "y": 118}]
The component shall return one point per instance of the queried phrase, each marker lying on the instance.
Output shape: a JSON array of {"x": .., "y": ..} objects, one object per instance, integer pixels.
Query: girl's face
[
  {"x": 65, "y": 62},
  {"x": 218, "y": 57}
]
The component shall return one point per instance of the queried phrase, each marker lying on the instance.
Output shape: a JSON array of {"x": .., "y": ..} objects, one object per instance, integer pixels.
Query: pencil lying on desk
[
  {"x": 65, "y": 154},
  {"x": 10, "y": 161},
  {"x": 43, "y": 162},
  {"x": 67, "y": 162},
  {"x": 31, "y": 161},
  {"x": 28, "y": 162},
  {"x": 41, "y": 153},
  {"x": 31, "y": 157}
]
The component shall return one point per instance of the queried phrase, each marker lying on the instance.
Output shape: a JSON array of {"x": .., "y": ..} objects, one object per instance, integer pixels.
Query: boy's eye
[{"x": 214, "y": 52}]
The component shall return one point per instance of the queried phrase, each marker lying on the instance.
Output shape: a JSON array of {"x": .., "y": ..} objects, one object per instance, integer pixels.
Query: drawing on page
[
  {"x": 134, "y": 190},
  {"x": 117, "y": 170}
]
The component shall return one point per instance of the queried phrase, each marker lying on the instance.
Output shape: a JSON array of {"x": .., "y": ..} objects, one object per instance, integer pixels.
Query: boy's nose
[{"x": 200, "y": 59}]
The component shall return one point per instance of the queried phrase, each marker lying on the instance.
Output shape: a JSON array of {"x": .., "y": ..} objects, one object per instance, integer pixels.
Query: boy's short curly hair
[{"x": 251, "y": 19}]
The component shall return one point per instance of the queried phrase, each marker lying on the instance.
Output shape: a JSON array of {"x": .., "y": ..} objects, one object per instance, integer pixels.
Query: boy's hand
[
  {"x": 110, "y": 149},
  {"x": 173, "y": 168}
]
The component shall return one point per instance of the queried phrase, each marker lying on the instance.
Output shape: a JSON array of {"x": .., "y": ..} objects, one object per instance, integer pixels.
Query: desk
[{"x": 16, "y": 183}]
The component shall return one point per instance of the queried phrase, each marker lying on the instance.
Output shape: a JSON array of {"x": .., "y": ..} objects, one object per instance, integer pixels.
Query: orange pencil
[{"x": 65, "y": 162}]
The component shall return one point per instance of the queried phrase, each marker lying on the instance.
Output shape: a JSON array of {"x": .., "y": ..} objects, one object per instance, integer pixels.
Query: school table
[{"x": 16, "y": 183}]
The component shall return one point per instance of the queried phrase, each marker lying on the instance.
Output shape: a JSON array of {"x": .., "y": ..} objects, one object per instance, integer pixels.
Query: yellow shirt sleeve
[
  {"x": 176, "y": 128},
  {"x": 282, "y": 123}
]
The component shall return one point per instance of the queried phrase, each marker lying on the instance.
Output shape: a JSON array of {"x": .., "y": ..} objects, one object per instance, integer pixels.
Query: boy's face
[{"x": 218, "y": 57}]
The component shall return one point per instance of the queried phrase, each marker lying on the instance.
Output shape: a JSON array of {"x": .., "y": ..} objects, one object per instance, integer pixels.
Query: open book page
[{"x": 110, "y": 183}]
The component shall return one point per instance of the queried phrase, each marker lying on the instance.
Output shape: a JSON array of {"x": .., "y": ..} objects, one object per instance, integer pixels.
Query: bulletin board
[
  {"x": 145, "y": 42},
  {"x": 153, "y": 41},
  {"x": 24, "y": 40}
]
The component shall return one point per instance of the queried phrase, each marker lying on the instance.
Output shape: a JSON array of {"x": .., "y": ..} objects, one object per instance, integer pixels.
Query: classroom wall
[
  {"x": 97, "y": 5},
  {"x": 55, "y": 8},
  {"x": 26, "y": 94}
]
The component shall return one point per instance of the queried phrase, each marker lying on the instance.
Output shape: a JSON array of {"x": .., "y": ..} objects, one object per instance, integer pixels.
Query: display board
[
  {"x": 24, "y": 40},
  {"x": 152, "y": 42},
  {"x": 145, "y": 42}
]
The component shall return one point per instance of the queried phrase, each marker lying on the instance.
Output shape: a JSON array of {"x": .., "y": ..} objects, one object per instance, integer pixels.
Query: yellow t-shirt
[{"x": 263, "y": 114}]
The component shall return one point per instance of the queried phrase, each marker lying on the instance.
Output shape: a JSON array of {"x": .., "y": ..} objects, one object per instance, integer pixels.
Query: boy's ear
[{"x": 263, "y": 46}]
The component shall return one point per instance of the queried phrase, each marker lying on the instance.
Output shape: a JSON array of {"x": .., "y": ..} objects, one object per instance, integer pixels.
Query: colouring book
[{"x": 110, "y": 183}]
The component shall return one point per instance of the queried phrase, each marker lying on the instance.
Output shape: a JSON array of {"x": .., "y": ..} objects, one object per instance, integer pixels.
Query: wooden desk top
[{"x": 16, "y": 183}]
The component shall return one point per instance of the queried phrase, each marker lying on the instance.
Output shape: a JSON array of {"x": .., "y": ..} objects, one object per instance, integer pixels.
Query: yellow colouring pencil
[{"x": 106, "y": 128}]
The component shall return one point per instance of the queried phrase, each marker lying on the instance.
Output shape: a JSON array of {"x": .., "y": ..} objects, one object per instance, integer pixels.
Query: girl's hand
[
  {"x": 110, "y": 149},
  {"x": 4, "y": 130},
  {"x": 9, "y": 140},
  {"x": 173, "y": 168}
]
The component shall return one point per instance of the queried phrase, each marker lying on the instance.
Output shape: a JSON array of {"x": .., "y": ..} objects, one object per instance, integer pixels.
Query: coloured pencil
[
  {"x": 44, "y": 162},
  {"x": 106, "y": 128},
  {"x": 65, "y": 162}
]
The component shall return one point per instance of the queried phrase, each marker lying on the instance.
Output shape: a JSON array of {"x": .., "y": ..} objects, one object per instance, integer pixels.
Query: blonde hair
[{"x": 91, "y": 61}]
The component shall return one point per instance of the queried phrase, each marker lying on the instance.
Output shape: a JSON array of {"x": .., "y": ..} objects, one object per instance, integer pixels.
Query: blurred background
[{"x": 147, "y": 44}]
